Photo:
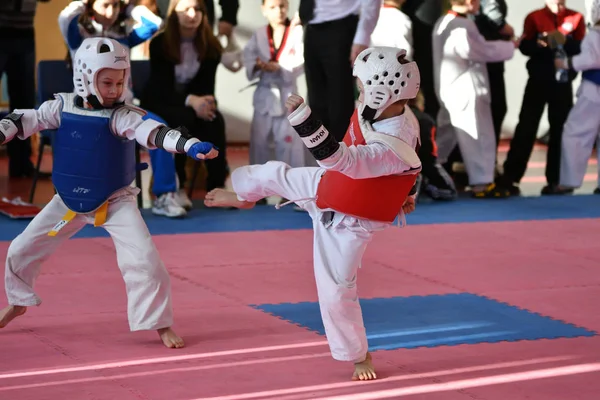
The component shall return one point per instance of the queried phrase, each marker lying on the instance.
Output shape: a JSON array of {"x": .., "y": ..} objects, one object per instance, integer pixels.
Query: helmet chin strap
[
  {"x": 368, "y": 113},
  {"x": 94, "y": 102}
]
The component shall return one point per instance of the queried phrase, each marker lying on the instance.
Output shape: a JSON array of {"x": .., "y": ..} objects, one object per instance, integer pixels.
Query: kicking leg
[
  {"x": 226, "y": 198},
  {"x": 26, "y": 254},
  {"x": 146, "y": 279},
  {"x": 338, "y": 252},
  {"x": 254, "y": 182}
]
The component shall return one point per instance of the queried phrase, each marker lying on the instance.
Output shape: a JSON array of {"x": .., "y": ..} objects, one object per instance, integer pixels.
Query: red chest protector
[{"x": 377, "y": 199}]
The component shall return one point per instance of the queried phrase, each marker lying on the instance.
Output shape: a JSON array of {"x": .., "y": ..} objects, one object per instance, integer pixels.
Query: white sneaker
[
  {"x": 168, "y": 206},
  {"x": 183, "y": 200}
]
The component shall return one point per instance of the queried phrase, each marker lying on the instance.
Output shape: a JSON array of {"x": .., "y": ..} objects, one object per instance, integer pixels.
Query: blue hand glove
[{"x": 200, "y": 148}]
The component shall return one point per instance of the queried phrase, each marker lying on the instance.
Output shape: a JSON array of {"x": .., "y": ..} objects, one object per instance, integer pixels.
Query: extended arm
[
  {"x": 368, "y": 16},
  {"x": 147, "y": 24},
  {"x": 370, "y": 161},
  {"x": 589, "y": 58},
  {"x": 357, "y": 162},
  {"x": 24, "y": 123},
  {"x": 128, "y": 122},
  {"x": 68, "y": 22},
  {"x": 471, "y": 45}
]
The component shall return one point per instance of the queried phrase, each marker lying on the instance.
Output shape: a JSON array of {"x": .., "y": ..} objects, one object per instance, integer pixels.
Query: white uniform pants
[
  {"x": 146, "y": 278},
  {"x": 289, "y": 148},
  {"x": 474, "y": 134},
  {"x": 581, "y": 130},
  {"x": 338, "y": 251}
]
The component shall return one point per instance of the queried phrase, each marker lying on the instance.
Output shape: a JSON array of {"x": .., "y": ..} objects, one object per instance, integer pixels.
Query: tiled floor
[{"x": 238, "y": 156}]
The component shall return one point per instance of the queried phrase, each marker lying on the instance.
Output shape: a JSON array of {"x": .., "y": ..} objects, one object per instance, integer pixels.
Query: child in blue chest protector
[{"x": 94, "y": 165}]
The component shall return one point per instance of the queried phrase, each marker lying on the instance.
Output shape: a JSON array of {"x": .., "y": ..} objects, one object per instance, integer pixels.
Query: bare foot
[
  {"x": 225, "y": 198},
  {"x": 9, "y": 313},
  {"x": 170, "y": 338},
  {"x": 364, "y": 371}
]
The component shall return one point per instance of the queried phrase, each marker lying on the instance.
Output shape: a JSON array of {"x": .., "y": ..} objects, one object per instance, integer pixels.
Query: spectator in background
[
  {"x": 183, "y": 66},
  {"x": 461, "y": 82},
  {"x": 491, "y": 22},
  {"x": 274, "y": 56},
  {"x": 545, "y": 31},
  {"x": 435, "y": 181},
  {"x": 424, "y": 14},
  {"x": 228, "y": 21},
  {"x": 17, "y": 59},
  {"x": 335, "y": 33},
  {"x": 582, "y": 128},
  {"x": 394, "y": 28}
]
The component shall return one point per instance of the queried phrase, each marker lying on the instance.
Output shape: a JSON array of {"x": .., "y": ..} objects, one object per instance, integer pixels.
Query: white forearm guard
[
  {"x": 10, "y": 126},
  {"x": 174, "y": 140},
  {"x": 315, "y": 136}
]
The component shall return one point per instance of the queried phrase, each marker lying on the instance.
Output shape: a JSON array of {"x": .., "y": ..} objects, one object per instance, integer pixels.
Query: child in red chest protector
[{"x": 361, "y": 186}]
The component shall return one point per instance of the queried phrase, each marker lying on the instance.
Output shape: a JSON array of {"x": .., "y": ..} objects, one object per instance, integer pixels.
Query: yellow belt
[{"x": 99, "y": 219}]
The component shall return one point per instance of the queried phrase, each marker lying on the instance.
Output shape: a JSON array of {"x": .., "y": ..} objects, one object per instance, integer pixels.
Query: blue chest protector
[
  {"x": 592, "y": 75},
  {"x": 90, "y": 163}
]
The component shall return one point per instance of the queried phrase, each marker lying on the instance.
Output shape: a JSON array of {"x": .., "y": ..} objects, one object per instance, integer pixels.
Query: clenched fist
[{"x": 293, "y": 102}]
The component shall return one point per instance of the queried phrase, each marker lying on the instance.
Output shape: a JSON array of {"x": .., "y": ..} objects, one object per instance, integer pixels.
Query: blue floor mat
[
  {"x": 202, "y": 219},
  {"x": 436, "y": 320}
]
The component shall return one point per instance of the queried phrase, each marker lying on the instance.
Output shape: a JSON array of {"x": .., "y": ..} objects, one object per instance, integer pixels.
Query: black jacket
[
  {"x": 161, "y": 84},
  {"x": 491, "y": 18}
]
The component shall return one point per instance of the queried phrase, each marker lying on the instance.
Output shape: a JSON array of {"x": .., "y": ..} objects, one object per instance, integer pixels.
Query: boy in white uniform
[
  {"x": 394, "y": 28},
  {"x": 582, "y": 127},
  {"x": 274, "y": 55},
  {"x": 361, "y": 186},
  {"x": 460, "y": 54},
  {"x": 94, "y": 165}
]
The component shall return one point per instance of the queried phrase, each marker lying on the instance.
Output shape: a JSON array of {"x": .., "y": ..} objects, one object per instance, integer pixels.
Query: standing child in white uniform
[
  {"x": 274, "y": 55},
  {"x": 362, "y": 185},
  {"x": 394, "y": 28},
  {"x": 460, "y": 54},
  {"x": 94, "y": 165},
  {"x": 582, "y": 127}
]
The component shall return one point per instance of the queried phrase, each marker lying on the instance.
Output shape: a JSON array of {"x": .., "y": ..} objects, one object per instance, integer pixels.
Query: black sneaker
[{"x": 555, "y": 189}]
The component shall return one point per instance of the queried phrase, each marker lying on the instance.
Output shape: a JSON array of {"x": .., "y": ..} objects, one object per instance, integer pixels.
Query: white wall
[{"x": 237, "y": 107}]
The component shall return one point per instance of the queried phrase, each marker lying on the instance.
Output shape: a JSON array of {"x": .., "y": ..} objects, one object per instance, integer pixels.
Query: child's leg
[
  {"x": 254, "y": 182},
  {"x": 146, "y": 279},
  {"x": 479, "y": 153},
  {"x": 163, "y": 166},
  {"x": 28, "y": 251},
  {"x": 579, "y": 134},
  {"x": 289, "y": 148},
  {"x": 260, "y": 131},
  {"x": 338, "y": 252}
]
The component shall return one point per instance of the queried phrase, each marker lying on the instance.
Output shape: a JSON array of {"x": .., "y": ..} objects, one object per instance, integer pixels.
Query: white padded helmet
[
  {"x": 385, "y": 79},
  {"x": 593, "y": 11},
  {"x": 89, "y": 60}
]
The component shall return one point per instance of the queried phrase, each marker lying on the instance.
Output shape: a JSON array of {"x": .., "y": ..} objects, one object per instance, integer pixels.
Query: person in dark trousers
[
  {"x": 544, "y": 31},
  {"x": 491, "y": 22},
  {"x": 434, "y": 180},
  {"x": 17, "y": 59},
  {"x": 424, "y": 14},
  {"x": 334, "y": 35}
]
